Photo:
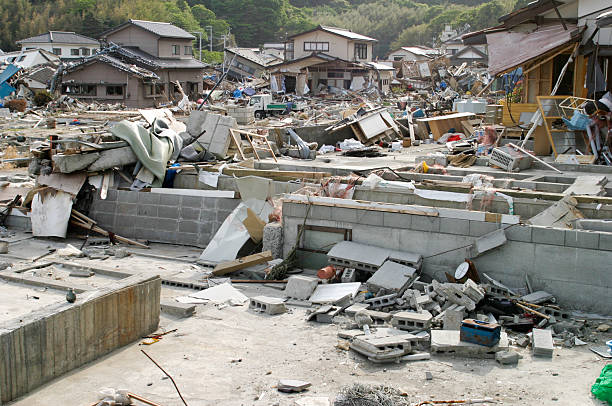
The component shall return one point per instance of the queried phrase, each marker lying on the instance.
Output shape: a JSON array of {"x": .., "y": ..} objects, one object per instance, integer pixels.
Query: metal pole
[
  {"x": 210, "y": 37},
  {"x": 200, "y": 37},
  {"x": 534, "y": 157}
]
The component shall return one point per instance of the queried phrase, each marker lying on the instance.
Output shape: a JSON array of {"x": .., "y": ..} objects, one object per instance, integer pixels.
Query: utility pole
[
  {"x": 210, "y": 37},
  {"x": 200, "y": 35}
]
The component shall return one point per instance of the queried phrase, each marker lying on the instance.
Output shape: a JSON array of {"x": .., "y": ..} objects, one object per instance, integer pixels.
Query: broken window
[
  {"x": 74, "y": 52},
  {"x": 80, "y": 89},
  {"x": 21, "y": 58},
  {"x": 176, "y": 49},
  {"x": 316, "y": 46},
  {"x": 57, "y": 51},
  {"x": 114, "y": 90},
  {"x": 155, "y": 89},
  {"x": 188, "y": 50},
  {"x": 85, "y": 51},
  {"x": 361, "y": 51}
]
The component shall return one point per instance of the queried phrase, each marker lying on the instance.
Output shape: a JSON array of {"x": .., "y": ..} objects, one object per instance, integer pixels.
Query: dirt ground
[{"x": 232, "y": 356}]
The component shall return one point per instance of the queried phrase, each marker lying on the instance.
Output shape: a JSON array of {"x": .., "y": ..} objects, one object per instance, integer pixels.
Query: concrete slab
[
  {"x": 542, "y": 343},
  {"x": 392, "y": 276},
  {"x": 488, "y": 242},
  {"x": 177, "y": 309},
  {"x": 360, "y": 256},
  {"x": 334, "y": 292},
  {"x": 300, "y": 287}
]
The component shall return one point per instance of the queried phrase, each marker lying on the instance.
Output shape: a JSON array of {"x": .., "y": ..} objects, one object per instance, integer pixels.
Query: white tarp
[{"x": 223, "y": 293}]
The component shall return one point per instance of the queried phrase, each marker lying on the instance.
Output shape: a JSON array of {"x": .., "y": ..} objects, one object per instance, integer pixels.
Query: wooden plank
[
  {"x": 264, "y": 173},
  {"x": 371, "y": 208},
  {"x": 241, "y": 263},
  {"x": 237, "y": 142}
]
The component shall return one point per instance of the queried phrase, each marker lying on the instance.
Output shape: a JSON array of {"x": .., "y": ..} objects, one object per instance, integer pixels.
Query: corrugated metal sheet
[{"x": 511, "y": 48}]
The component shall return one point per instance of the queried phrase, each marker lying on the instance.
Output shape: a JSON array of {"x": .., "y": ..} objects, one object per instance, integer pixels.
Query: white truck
[{"x": 265, "y": 106}]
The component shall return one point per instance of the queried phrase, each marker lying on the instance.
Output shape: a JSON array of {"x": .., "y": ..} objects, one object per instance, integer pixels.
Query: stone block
[
  {"x": 411, "y": 321},
  {"x": 546, "y": 235},
  {"x": 426, "y": 223},
  {"x": 268, "y": 305},
  {"x": 480, "y": 228},
  {"x": 300, "y": 287},
  {"x": 454, "y": 226},
  {"x": 542, "y": 343},
  {"x": 582, "y": 239},
  {"x": 177, "y": 309}
]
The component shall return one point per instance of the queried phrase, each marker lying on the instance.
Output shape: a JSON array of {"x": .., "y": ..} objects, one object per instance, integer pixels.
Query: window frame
[
  {"x": 56, "y": 51},
  {"x": 188, "y": 50},
  {"x": 316, "y": 46},
  {"x": 115, "y": 87},
  {"x": 176, "y": 49},
  {"x": 361, "y": 50}
]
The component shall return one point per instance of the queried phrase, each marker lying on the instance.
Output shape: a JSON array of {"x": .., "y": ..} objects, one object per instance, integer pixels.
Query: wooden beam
[
  {"x": 241, "y": 263},
  {"x": 562, "y": 50}
]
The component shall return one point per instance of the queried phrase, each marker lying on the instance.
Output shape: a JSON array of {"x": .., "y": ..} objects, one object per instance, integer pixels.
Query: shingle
[{"x": 163, "y": 29}]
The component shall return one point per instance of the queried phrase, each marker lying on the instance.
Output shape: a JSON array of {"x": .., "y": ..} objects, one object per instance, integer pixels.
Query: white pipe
[{"x": 534, "y": 157}]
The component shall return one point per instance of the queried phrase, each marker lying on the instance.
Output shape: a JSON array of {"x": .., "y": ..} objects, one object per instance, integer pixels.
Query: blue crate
[{"x": 480, "y": 332}]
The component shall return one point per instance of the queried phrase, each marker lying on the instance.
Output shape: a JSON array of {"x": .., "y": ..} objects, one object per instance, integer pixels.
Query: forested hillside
[{"x": 252, "y": 22}]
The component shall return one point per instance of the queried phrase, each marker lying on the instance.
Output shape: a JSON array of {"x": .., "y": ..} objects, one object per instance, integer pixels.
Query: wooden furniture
[
  {"x": 441, "y": 124},
  {"x": 249, "y": 137},
  {"x": 554, "y": 108}
]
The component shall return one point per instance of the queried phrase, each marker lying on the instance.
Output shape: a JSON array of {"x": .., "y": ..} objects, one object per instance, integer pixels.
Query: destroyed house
[
  {"x": 67, "y": 45},
  {"x": 335, "y": 42},
  {"x": 413, "y": 54},
  {"x": 248, "y": 62},
  {"x": 532, "y": 47},
  {"x": 29, "y": 58},
  {"x": 139, "y": 67}
]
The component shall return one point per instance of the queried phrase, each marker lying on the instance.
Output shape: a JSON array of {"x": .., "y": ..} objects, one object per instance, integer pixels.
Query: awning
[{"x": 511, "y": 48}]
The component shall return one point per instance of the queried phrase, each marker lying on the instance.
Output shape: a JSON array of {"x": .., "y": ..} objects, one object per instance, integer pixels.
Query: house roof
[
  {"x": 342, "y": 32},
  {"x": 253, "y": 55},
  {"x": 28, "y": 57},
  {"x": 59, "y": 37},
  {"x": 162, "y": 29},
  {"x": 162, "y": 63},
  {"x": 115, "y": 63},
  {"x": 379, "y": 66},
  {"x": 531, "y": 10},
  {"x": 471, "y": 49},
  {"x": 419, "y": 50}
]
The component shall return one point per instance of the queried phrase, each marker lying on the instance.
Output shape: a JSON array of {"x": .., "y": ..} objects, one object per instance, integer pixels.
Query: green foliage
[{"x": 214, "y": 57}]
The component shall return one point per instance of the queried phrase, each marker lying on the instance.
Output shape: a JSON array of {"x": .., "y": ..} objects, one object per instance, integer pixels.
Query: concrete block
[
  {"x": 454, "y": 226},
  {"x": 537, "y": 297},
  {"x": 449, "y": 342},
  {"x": 605, "y": 241},
  {"x": 370, "y": 218},
  {"x": 452, "y": 319},
  {"x": 189, "y": 213},
  {"x": 168, "y": 212},
  {"x": 273, "y": 239},
  {"x": 149, "y": 198},
  {"x": 392, "y": 276},
  {"x": 185, "y": 238},
  {"x": 191, "y": 201},
  {"x": 127, "y": 209},
  {"x": 582, "y": 239},
  {"x": 507, "y": 358},
  {"x": 453, "y": 294},
  {"x": 546, "y": 235},
  {"x": 300, "y": 287},
  {"x": 344, "y": 215},
  {"x": 519, "y": 233},
  {"x": 542, "y": 343},
  {"x": 377, "y": 317},
  {"x": 75, "y": 162},
  {"x": 357, "y": 307},
  {"x": 488, "y": 242},
  {"x": 397, "y": 220},
  {"x": 105, "y": 207},
  {"x": 268, "y": 305},
  {"x": 348, "y": 275},
  {"x": 147, "y": 210},
  {"x": 409, "y": 259},
  {"x": 411, "y": 321},
  {"x": 177, "y": 309},
  {"x": 473, "y": 291},
  {"x": 480, "y": 228},
  {"x": 164, "y": 225},
  {"x": 382, "y": 301},
  {"x": 320, "y": 213},
  {"x": 426, "y": 223},
  {"x": 127, "y": 196},
  {"x": 111, "y": 195},
  {"x": 360, "y": 256},
  {"x": 188, "y": 227},
  {"x": 169, "y": 200},
  {"x": 325, "y": 314}
]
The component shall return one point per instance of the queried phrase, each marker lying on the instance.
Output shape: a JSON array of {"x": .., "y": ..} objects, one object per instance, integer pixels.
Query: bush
[{"x": 42, "y": 98}]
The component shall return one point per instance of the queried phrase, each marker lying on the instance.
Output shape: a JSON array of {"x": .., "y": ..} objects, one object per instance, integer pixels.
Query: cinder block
[
  {"x": 542, "y": 343},
  {"x": 546, "y": 235},
  {"x": 294, "y": 210},
  {"x": 480, "y": 228},
  {"x": 369, "y": 217},
  {"x": 177, "y": 309},
  {"x": 225, "y": 204},
  {"x": 454, "y": 226},
  {"x": 452, "y": 318},
  {"x": 519, "y": 233},
  {"x": 189, "y": 213},
  {"x": 300, "y": 287},
  {"x": 397, "y": 220},
  {"x": 165, "y": 225},
  {"x": 168, "y": 212},
  {"x": 605, "y": 241},
  {"x": 268, "y": 305},
  {"x": 111, "y": 195},
  {"x": 379, "y": 302},
  {"x": 105, "y": 207},
  {"x": 473, "y": 291},
  {"x": 426, "y": 223},
  {"x": 147, "y": 210},
  {"x": 582, "y": 239},
  {"x": 187, "y": 238},
  {"x": 129, "y": 209},
  {"x": 411, "y": 321},
  {"x": 146, "y": 223},
  {"x": 126, "y": 196},
  {"x": 105, "y": 220},
  {"x": 320, "y": 212},
  {"x": 170, "y": 200},
  {"x": 188, "y": 227},
  {"x": 344, "y": 215},
  {"x": 207, "y": 227},
  {"x": 125, "y": 221},
  {"x": 148, "y": 198},
  {"x": 191, "y": 201}
]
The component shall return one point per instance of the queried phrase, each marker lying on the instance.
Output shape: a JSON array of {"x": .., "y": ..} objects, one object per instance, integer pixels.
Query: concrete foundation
[{"x": 65, "y": 336}]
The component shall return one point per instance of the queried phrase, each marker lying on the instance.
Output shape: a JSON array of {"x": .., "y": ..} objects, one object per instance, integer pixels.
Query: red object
[
  {"x": 326, "y": 273},
  {"x": 454, "y": 138}
]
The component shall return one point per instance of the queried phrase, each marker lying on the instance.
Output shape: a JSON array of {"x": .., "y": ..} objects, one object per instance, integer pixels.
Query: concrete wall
[
  {"x": 571, "y": 264},
  {"x": 156, "y": 217},
  {"x": 65, "y": 336}
]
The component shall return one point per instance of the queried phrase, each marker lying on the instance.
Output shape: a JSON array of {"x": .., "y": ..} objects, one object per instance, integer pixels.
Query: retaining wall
[
  {"x": 55, "y": 340},
  {"x": 574, "y": 265},
  {"x": 166, "y": 218}
]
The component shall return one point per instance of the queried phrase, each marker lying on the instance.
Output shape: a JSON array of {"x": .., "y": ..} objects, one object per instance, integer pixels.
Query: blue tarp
[{"x": 5, "y": 88}]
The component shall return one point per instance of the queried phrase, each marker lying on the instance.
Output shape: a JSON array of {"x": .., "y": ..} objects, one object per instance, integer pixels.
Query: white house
[
  {"x": 66, "y": 45},
  {"x": 415, "y": 53},
  {"x": 29, "y": 58}
]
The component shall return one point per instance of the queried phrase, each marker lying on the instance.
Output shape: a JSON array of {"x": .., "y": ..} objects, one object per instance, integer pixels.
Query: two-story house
[
  {"x": 138, "y": 67},
  {"x": 325, "y": 58},
  {"x": 67, "y": 45}
]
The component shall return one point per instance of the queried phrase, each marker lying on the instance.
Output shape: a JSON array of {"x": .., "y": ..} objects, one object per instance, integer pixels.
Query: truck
[{"x": 265, "y": 106}]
